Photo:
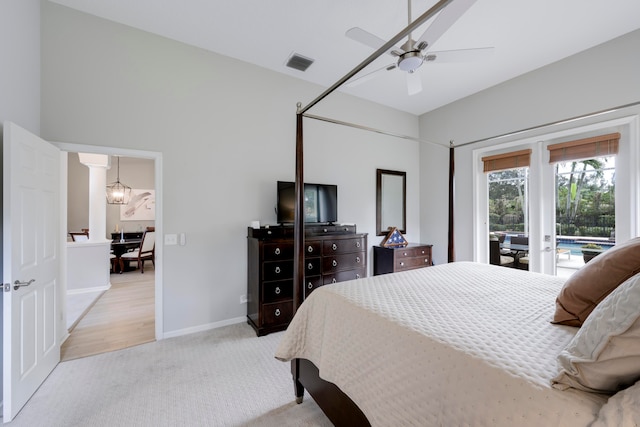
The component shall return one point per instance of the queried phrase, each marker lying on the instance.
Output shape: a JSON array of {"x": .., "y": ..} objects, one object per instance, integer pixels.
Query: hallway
[{"x": 123, "y": 316}]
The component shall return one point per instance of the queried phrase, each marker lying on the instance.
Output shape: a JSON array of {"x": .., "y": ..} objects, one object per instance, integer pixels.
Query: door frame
[
  {"x": 66, "y": 148},
  {"x": 542, "y": 188}
]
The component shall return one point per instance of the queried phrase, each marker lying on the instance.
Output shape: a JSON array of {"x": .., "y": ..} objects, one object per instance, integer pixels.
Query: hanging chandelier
[{"x": 117, "y": 192}]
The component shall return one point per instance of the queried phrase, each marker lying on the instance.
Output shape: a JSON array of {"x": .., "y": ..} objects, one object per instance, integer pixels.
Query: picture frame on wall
[{"x": 141, "y": 206}]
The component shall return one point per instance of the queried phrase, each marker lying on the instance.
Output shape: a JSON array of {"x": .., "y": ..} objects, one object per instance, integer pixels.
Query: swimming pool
[
  {"x": 575, "y": 247},
  {"x": 574, "y": 244}
]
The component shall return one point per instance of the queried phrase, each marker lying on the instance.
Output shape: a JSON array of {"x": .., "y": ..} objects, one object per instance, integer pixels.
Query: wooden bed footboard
[{"x": 336, "y": 405}]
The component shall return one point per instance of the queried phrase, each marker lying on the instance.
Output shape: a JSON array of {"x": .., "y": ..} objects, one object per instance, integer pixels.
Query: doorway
[{"x": 151, "y": 280}]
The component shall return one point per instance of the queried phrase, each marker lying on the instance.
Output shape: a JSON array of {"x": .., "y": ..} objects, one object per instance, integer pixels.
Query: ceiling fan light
[{"x": 410, "y": 61}]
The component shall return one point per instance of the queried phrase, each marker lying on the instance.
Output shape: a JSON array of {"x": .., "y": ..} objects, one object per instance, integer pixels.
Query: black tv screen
[{"x": 320, "y": 202}]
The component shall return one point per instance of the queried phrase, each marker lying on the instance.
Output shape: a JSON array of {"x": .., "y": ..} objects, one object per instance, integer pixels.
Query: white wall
[
  {"x": 19, "y": 77},
  {"x": 20, "y": 64},
  {"x": 226, "y": 130},
  {"x": 600, "y": 78}
]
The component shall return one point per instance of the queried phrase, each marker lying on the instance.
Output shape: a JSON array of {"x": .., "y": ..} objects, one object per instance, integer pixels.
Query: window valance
[
  {"x": 512, "y": 160},
  {"x": 586, "y": 148}
]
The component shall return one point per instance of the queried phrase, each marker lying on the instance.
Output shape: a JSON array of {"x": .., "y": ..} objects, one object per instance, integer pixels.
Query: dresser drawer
[
  {"x": 277, "y": 291},
  {"x": 342, "y": 246},
  {"x": 313, "y": 248},
  {"x": 411, "y": 252},
  {"x": 311, "y": 283},
  {"x": 277, "y": 251},
  {"x": 342, "y": 276},
  {"x": 331, "y": 264},
  {"x": 411, "y": 263},
  {"x": 277, "y": 270},
  {"x": 312, "y": 267},
  {"x": 277, "y": 313}
]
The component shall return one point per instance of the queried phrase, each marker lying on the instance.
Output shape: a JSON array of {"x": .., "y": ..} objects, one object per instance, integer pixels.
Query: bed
[{"x": 456, "y": 344}]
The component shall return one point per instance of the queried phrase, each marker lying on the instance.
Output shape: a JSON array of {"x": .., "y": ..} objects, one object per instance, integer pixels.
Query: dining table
[{"x": 120, "y": 247}]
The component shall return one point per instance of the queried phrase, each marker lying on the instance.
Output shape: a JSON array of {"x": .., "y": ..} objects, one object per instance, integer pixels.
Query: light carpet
[{"x": 222, "y": 377}]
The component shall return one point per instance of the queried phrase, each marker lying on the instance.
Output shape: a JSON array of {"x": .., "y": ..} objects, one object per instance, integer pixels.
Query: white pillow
[
  {"x": 604, "y": 356},
  {"x": 621, "y": 410}
]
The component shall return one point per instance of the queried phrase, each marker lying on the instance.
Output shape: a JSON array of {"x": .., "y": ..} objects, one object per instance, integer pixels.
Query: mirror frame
[{"x": 379, "y": 175}]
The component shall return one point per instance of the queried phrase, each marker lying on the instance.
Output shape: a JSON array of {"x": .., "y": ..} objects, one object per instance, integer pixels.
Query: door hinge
[{"x": 6, "y": 286}]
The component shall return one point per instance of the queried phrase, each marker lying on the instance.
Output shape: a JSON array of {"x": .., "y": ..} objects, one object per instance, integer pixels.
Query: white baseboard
[
  {"x": 205, "y": 327},
  {"x": 88, "y": 290}
]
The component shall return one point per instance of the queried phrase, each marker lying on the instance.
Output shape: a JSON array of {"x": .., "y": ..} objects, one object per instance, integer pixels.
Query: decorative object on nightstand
[
  {"x": 394, "y": 238},
  {"x": 402, "y": 258}
]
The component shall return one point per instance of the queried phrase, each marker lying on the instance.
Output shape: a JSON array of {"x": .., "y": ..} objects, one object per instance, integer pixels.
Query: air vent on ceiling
[{"x": 299, "y": 62}]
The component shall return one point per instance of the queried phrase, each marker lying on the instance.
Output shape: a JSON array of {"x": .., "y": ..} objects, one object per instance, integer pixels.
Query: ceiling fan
[{"x": 414, "y": 53}]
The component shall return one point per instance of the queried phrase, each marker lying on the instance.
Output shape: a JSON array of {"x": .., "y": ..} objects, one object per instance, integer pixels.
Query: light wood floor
[{"x": 122, "y": 317}]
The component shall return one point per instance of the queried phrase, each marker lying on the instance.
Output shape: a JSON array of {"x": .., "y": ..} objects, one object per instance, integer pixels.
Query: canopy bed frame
[{"x": 338, "y": 407}]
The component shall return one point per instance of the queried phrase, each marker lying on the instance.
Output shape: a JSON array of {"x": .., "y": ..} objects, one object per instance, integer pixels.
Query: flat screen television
[{"x": 320, "y": 203}]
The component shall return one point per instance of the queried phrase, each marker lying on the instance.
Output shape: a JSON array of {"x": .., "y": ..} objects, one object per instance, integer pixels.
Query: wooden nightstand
[{"x": 391, "y": 260}]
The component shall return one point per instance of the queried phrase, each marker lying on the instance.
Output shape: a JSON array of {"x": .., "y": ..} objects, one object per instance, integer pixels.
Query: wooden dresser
[
  {"x": 333, "y": 253},
  {"x": 391, "y": 260}
]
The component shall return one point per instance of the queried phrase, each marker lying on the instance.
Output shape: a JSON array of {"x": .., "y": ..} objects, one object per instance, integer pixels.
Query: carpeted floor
[{"x": 223, "y": 377}]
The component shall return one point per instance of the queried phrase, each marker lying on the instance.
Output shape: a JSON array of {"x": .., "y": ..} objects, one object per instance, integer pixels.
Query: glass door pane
[
  {"x": 509, "y": 214},
  {"x": 585, "y": 211}
]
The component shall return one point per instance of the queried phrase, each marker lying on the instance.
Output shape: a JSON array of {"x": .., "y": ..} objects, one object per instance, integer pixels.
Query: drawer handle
[
  {"x": 334, "y": 247},
  {"x": 357, "y": 276},
  {"x": 404, "y": 253},
  {"x": 277, "y": 312},
  {"x": 325, "y": 230},
  {"x": 402, "y": 264},
  {"x": 277, "y": 270},
  {"x": 277, "y": 290},
  {"x": 426, "y": 260},
  {"x": 277, "y": 251},
  {"x": 335, "y": 263},
  {"x": 309, "y": 266},
  {"x": 357, "y": 259},
  {"x": 357, "y": 244},
  {"x": 422, "y": 252},
  {"x": 309, "y": 285},
  {"x": 334, "y": 280},
  {"x": 309, "y": 249}
]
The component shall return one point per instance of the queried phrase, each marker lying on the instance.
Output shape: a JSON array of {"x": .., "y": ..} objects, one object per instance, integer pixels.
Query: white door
[{"x": 31, "y": 250}]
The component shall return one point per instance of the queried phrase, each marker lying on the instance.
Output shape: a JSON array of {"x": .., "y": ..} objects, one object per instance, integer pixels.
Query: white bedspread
[{"x": 467, "y": 344}]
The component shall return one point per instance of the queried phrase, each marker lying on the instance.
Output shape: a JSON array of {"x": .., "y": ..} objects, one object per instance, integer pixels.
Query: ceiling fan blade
[
  {"x": 414, "y": 83},
  {"x": 460, "y": 55},
  {"x": 445, "y": 19},
  {"x": 368, "y": 39},
  {"x": 368, "y": 76}
]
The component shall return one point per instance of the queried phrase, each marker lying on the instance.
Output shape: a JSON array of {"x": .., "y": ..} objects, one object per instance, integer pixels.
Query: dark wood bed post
[
  {"x": 451, "y": 252},
  {"x": 298, "y": 244}
]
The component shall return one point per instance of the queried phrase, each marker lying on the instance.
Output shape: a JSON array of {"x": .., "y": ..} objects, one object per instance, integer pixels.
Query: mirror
[{"x": 391, "y": 204}]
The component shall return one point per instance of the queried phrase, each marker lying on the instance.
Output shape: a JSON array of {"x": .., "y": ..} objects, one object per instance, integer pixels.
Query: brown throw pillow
[{"x": 593, "y": 282}]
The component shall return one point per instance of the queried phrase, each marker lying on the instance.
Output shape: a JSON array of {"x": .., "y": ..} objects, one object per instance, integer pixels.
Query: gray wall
[
  {"x": 600, "y": 78},
  {"x": 226, "y": 131},
  {"x": 19, "y": 77}
]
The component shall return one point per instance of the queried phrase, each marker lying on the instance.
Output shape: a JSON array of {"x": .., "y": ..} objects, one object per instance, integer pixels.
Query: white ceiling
[{"x": 526, "y": 35}]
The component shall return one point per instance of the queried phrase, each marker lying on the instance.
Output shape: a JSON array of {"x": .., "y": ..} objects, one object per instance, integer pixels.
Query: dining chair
[
  {"x": 146, "y": 251},
  {"x": 79, "y": 236},
  {"x": 112, "y": 262}
]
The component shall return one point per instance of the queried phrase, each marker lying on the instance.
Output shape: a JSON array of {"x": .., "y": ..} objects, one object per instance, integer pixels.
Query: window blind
[
  {"x": 512, "y": 160},
  {"x": 586, "y": 148}
]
